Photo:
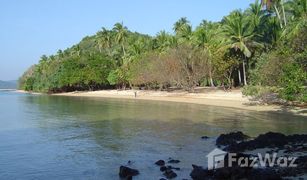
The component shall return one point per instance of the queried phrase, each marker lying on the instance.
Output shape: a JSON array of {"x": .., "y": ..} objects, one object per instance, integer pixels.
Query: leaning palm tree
[
  {"x": 240, "y": 36},
  {"x": 121, "y": 35}
]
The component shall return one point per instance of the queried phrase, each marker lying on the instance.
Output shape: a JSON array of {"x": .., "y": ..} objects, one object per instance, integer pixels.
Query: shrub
[{"x": 292, "y": 82}]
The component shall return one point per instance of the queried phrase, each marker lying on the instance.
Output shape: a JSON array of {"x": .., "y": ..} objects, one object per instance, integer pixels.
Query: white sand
[{"x": 233, "y": 99}]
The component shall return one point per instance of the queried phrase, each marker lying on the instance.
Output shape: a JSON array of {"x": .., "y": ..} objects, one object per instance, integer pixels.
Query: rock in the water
[
  {"x": 174, "y": 168},
  {"x": 173, "y": 161},
  {"x": 170, "y": 174},
  {"x": 198, "y": 173},
  {"x": 267, "y": 140},
  {"x": 163, "y": 168},
  {"x": 205, "y": 137},
  {"x": 126, "y": 172},
  {"x": 231, "y": 138},
  {"x": 160, "y": 163}
]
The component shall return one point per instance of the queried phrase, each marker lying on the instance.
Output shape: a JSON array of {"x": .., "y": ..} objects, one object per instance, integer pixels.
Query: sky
[{"x": 31, "y": 28}]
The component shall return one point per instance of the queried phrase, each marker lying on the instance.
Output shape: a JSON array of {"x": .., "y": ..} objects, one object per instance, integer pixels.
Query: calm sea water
[{"x": 44, "y": 137}]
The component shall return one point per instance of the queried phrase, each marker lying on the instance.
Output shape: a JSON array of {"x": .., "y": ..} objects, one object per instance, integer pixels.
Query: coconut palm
[
  {"x": 121, "y": 35},
  {"x": 104, "y": 39},
  {"x": 183, "y": 30},
  {"x": 162, "y": 41},
  {"x": 206, "y": 38},
  {"x": 298, "y": 10},
  {"x": 256, "y": 14},
  {"x": 277, "y": 4},
  {"x": 180, "y": 25},
  {"x": 240, "y": 36}
]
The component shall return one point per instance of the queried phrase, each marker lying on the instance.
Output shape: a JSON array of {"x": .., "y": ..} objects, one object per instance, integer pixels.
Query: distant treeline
[
  {"x": 263, "y": 47},
  {"x": 8, "y": 84}
]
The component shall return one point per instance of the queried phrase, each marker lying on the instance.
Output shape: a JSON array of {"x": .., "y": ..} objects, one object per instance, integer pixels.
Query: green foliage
[
  {"x": 267, "y": 46},
  {"x": 258, "y": 91},
  {"x": 292, "y": 82},
  {"x": 113, "y": 78}
]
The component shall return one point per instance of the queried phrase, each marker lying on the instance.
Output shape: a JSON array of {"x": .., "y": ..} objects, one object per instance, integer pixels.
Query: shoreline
[{"x": 232, "y": 99}]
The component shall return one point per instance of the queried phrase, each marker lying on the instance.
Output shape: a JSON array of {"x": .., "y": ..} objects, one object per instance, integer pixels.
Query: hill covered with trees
[{"x": 262, "y": 48}]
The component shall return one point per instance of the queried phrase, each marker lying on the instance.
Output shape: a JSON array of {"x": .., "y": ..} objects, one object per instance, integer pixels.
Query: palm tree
[
  {"x": 163, "y": 40},
  {"x": 298, "y": 10},
  {"x": 121, "y": 35},
  {"x": 183, "y": 29},
  {"x": 104, "y": 39},
  {"x": 240, "y": 36},
  {"x": 276, "y": 4},
  {"x": 180, "y": 24},
  {"x": 256, "y": 14},
  {"x": 206, "y": 38}
]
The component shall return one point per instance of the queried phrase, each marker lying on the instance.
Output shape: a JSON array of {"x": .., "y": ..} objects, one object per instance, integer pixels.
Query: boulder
[{"x": 126, "y": 172}]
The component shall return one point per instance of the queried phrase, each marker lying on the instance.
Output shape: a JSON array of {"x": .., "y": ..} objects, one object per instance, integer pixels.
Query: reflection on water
[{"x": 86, "y": 138}]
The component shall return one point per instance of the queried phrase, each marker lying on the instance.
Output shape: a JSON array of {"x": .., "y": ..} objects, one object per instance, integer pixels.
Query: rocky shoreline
[{"x": 281, "y": 157}]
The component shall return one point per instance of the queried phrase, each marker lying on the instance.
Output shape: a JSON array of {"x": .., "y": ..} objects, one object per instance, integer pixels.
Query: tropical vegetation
[{"x": 262, "y": 46}]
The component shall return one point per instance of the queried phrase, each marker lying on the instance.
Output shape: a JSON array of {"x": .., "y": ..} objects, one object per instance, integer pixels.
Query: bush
[
  {"x": 292, "y": 83},
  {"x": 259, "y": 91}
]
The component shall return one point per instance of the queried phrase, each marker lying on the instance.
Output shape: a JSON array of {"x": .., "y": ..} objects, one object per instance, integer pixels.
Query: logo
[
  {"x": 216, "y": 159},
  {"x": 219, "y": 159}
]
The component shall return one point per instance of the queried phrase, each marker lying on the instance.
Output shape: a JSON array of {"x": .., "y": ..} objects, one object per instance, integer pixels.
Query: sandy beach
[{"x": 232, "y": 99}]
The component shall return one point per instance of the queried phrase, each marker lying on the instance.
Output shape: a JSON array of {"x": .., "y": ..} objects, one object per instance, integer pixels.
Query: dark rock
[
  {"x": 170, "y": 174},
  {"x": 163, "y": 179},
  {"x": 231, "y": 138},
  {"x": 126, "y": 172},
  {"x": 205, "y": 137},
  {"x": 268, "y": 140},
  {"x": 160, "y": 163},
  {"x": 268, "y": 173},
  {"x": 163, "y": 168},
  {"x": 173, "y": 161},
  {"x": 174, "y": 168},
  {"x": 236, "y": 158},
  {"x": 198, "y": 173}
]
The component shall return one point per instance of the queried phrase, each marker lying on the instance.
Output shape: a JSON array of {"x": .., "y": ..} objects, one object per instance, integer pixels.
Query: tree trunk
[
  {"x": 211, "y": 80},
  {"x": 278, "y": 16},
  {"x": 239, "y": 75},
  {"x": 244, "y": 73},
  {"x": 124, "y": 50},
  {"x": 284, "y": 13}
]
